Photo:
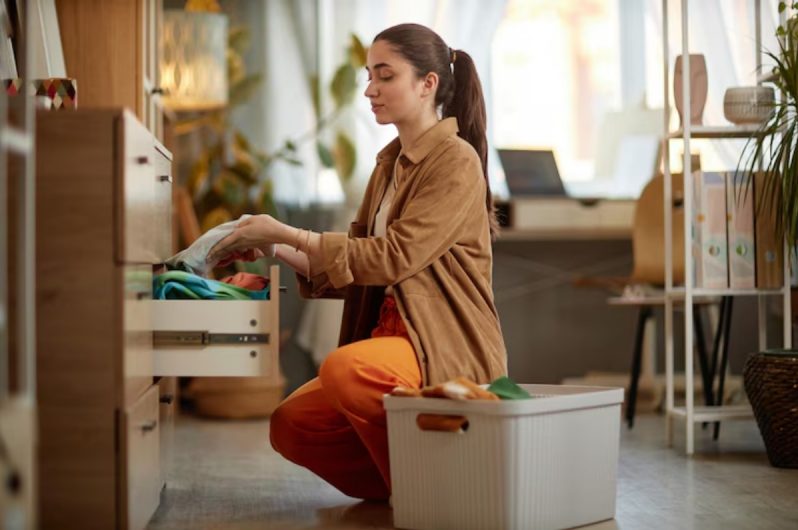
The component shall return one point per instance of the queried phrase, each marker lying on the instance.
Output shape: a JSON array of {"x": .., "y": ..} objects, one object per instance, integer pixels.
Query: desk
[{"x": 565, "y": 218}]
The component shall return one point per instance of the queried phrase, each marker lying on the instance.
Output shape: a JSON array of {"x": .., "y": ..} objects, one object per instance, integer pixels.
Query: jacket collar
[{"x": 423, "y": 145}]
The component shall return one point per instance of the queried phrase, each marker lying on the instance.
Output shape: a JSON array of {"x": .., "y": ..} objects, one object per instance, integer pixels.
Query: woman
[{"x": 415, "y": 269}]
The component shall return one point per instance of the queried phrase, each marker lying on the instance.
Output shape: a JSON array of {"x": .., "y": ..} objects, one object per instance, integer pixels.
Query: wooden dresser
[
  {"x": 104, "y": 383},
  {"x": 103, "y": 203}
]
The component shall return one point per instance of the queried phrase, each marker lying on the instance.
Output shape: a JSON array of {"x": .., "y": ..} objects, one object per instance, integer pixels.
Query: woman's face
[{"x": 396, "y": 94}]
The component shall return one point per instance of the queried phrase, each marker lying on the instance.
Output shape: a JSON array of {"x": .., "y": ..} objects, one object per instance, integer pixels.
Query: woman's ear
[{"x": 430, "y": 84}]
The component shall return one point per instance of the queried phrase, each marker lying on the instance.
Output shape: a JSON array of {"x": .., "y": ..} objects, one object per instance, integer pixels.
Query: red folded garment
[{"x": 247, "y": 280}]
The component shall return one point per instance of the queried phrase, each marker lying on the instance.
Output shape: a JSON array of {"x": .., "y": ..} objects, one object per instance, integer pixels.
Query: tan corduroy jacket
[{"x": 436, "y": 254}]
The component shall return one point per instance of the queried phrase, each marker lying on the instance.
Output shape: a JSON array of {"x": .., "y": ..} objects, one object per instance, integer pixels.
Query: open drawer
[{"x": 218, "y": 337}]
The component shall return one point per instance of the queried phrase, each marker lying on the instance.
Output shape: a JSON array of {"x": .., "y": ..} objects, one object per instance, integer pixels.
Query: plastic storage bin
[{"x": 548, "y": 462}]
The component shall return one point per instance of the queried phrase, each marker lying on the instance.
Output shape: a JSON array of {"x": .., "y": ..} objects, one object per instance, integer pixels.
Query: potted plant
[{"x": 771, "y": 377}]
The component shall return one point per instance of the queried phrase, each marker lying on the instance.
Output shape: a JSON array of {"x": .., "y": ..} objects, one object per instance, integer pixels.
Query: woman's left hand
[{"x": 259, "y": 232}]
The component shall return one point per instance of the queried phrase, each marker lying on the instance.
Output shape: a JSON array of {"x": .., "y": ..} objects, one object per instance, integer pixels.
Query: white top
[{"x": 381, "y": 219}]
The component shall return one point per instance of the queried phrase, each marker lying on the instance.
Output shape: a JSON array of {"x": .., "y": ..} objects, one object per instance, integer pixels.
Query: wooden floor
[{"x": 227, "y": 477}]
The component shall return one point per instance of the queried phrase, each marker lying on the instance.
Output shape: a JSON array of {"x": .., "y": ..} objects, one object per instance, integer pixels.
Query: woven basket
[
  {"x": 771, "y": 382},
  {"x": 235, "y": 398}
]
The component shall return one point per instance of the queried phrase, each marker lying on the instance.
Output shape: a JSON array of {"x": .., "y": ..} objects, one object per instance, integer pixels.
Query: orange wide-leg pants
[{"x": 335, "y": 424}]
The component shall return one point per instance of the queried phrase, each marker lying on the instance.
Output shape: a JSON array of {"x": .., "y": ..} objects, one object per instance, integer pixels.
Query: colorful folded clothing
[
  {"x": 462, "y": 388},
  {"x": 459, "y": 388},
  {"x": 247, "y": 280},
  {"x": 180, "y": 285}
]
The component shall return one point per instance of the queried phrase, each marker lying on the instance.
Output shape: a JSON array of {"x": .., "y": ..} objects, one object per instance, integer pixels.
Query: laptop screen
[{"x": 531, "y": 172}]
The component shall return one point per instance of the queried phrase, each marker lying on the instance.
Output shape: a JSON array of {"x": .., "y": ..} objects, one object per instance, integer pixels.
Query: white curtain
[{"x": 463, "y": 24}]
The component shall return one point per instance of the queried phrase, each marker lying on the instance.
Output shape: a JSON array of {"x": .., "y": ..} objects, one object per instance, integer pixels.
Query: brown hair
[{"x": 459, "y": 89}]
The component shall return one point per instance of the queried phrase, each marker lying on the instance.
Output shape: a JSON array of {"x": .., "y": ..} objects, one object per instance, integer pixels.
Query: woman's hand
[{"x": 253, "y": 237}]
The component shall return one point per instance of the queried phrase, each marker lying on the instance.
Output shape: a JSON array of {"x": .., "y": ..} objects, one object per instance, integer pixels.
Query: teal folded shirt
[{"x": 180, "y": 285}]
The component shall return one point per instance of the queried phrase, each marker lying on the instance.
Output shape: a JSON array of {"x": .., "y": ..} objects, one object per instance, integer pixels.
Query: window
[{"x": 556, "y": 72}]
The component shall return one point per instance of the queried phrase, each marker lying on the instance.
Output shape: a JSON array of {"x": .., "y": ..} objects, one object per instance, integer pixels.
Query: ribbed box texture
[{"x": 549, "y": 462}]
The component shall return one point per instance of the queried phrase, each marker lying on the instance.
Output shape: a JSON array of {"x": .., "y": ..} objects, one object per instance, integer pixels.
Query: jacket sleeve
[
  {"x": 319, "y": 285},
  {"x": 451, "y": 190}
]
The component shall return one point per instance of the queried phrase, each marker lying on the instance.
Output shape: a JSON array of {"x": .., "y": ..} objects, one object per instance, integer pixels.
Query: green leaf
[
  {"x": 199, "y": 175},
  {"x": 215, "y": 217},
  {"x": 290, "y": 146},
  {"x": 782, "y": 6},
  {"x": 236, "y": 69},
  {"x": 266, "y": 198},
  {"x": 243, "y": 90},
  {"x": 325, "y": 155},
  {"x": 292, "y": 161},
  {"x": 343, "y": 85},
  {"x": 238, "y": 38},
  {"x": 345, "y": 156},
  {"x": 357, "y": 52},
  {"x": 313, "y": 81}
]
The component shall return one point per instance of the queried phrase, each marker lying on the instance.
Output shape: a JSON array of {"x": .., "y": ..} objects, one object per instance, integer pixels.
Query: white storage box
[{"x": 547, "y": 462}]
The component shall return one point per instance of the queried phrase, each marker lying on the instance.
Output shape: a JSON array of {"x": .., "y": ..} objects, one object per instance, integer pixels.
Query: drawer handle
[
  {"x": 142, "y": 160},
  {"x": 149, "y": 426},
  {"x": 167, "y": 399},
  {"x": 158, "y": 90},
  {"x": 203, "y": 338},
  {"x": 165, "y": 178}
]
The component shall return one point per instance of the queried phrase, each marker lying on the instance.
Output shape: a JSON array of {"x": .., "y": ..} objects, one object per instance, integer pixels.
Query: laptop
[{"x": 531, "y": 172}]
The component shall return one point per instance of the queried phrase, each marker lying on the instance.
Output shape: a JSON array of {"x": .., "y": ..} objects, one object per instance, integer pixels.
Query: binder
[
  {"x": 709, "y": 230},
  {"x": 740, "y": 229},
  {"x": 769, "y": 246}
]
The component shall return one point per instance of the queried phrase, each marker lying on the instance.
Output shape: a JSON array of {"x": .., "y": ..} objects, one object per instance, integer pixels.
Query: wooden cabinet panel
[
  {"x": 167, "y": 390},
  {"x": 140, "y": 461},
  {"x": 112, "y": 49},
  {"x": 136, "y": 193},
  {"x": 162, "y": 203},
  {"x": 137, "y": 330},
  {"x": 94, "y": 341}
]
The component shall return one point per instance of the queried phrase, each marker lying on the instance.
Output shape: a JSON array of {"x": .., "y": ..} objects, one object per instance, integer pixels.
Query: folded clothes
[
  {"x": 180, "y": 285},
  {"x": 193, "y": 258},
  {"x": 247, "y": 280},
  {"x": 459, "y": 388},
  {"x": 462, "y": 388}
]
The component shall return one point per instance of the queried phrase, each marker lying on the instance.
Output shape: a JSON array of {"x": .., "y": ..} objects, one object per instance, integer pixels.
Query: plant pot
[{"x": 771, "y": 382}]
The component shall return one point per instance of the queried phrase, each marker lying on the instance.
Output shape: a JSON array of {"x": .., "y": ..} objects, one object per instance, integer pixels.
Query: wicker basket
[
  {"x": 235, "y": 398},
  {"x": 771, "y": 382}
]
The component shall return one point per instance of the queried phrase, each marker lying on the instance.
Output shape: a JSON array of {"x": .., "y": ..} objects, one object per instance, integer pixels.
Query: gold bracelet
[
  {"x": 298, "y": 235},
  {"x": 307, "y": 252}
]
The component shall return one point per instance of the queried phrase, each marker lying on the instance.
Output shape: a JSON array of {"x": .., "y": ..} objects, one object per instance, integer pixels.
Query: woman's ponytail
[{"x": 468, "y": 106}]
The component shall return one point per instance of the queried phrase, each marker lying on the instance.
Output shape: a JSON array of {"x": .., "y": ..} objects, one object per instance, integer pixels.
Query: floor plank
[{"x": 227, "y": 477}]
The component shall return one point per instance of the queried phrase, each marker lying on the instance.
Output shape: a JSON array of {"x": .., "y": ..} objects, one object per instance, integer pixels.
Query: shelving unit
[
  {"x": 690, "y": 413},
  {"x": 18, "y": 357}
]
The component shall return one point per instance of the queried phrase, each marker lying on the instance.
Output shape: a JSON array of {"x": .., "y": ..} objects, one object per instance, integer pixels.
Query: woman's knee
[
  {"x": 339, "y": 366},
  {"x": 283, "y": 434}
]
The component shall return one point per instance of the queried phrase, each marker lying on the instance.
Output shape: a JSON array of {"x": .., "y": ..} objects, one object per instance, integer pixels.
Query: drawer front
[
  {"x": 167, "y": 392},
  {"x": 136, "y": 186},
  {"x": 141, "y": 486},
  {"x": 162, "y": 204},
  {"x": 137, "y": 332},
  {"x": 218, "y": 337}
]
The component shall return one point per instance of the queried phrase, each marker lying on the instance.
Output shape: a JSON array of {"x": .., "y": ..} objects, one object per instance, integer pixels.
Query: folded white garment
[{"x": 193, "y": 258}]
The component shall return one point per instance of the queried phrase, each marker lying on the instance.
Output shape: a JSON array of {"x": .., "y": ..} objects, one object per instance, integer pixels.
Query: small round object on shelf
[{"x": 748, "y": 104}]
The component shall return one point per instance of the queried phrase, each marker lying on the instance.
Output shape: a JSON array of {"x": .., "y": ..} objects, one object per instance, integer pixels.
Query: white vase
[{"x": 698, "y": 88}]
